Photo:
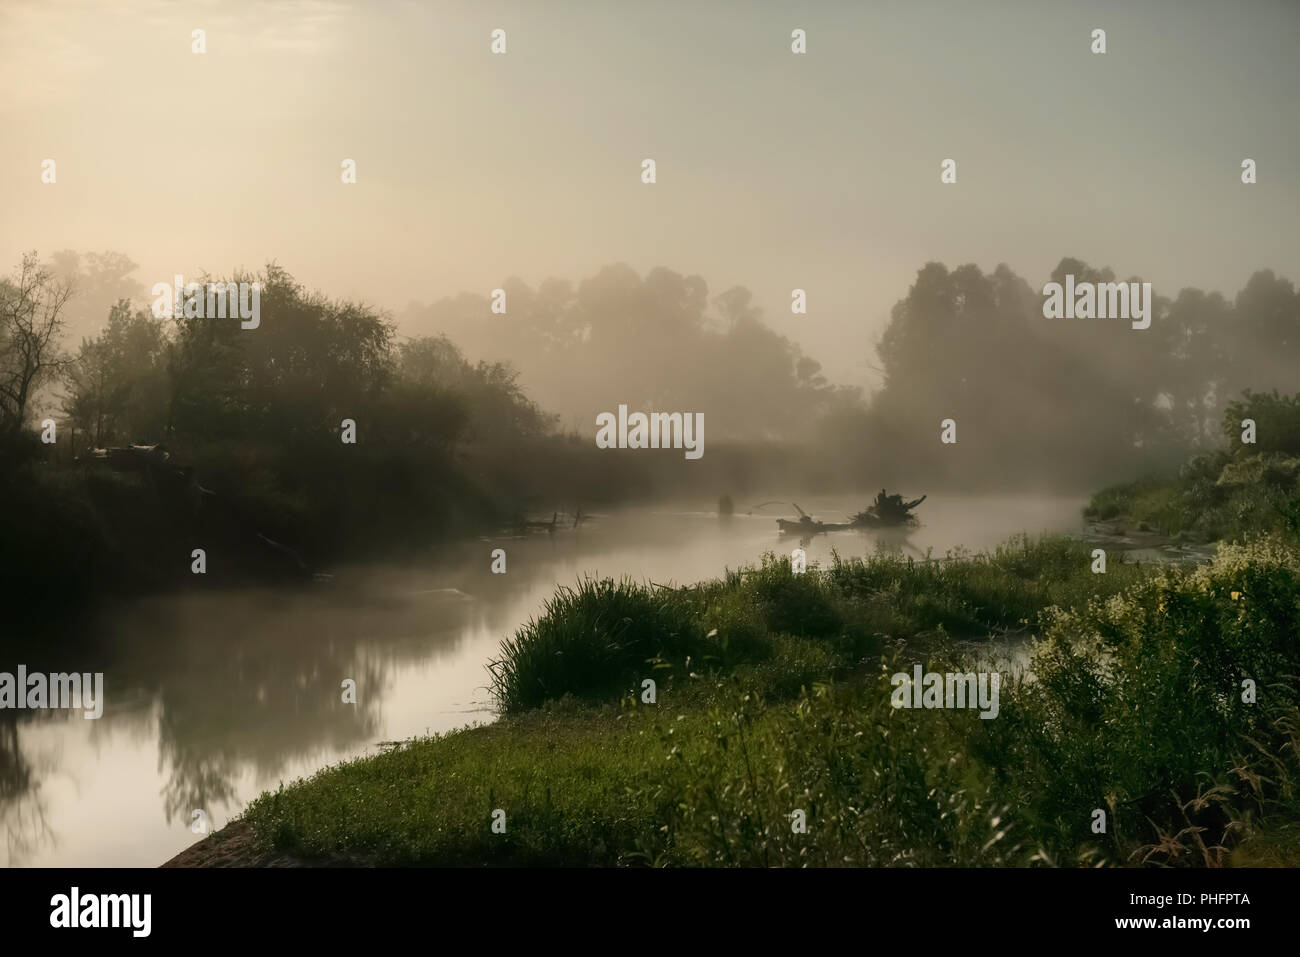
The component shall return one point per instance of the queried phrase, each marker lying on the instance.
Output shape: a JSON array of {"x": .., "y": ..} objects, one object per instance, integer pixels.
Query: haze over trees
[
  {"x": 1091, "y": 395},
  {"x": 657, "y": 343},
  {"x": 448, "y": 439},
  {"x": 253, "y": 423},
  {"x": 1035, "y": 400},
  {"x": 466, "y": 420}
]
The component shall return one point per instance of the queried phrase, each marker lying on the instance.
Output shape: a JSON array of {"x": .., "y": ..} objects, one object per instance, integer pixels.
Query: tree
[
  {"x": 101, "y": 281},
  {"x": 311, "y": 362},
  {"x": 1033, "y": 396},
  {"x": 1263, "y": 345},
  {"x": 31, "y": 322},
  {"x": 1276, "y": 418},
  {"x": 118, "y": 380},
  {"x": 653, "y": 343},
  {"x": 496, "y": 407}
]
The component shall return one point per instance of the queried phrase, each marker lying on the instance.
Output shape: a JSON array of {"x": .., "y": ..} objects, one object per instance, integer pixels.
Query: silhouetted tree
[{"x": 31, "y": 321}]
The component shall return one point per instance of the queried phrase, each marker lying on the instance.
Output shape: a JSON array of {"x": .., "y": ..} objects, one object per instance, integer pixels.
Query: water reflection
[
  {"x": 212, "y": 697},
  {"x": 23, "y": 816}
]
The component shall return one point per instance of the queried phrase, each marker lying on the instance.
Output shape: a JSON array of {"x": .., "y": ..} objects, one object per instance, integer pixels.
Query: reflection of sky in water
[{"x": 213, "y": 698}]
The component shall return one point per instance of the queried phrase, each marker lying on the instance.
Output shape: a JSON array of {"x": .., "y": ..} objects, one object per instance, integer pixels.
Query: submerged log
[{"x": 887, "y": 511}]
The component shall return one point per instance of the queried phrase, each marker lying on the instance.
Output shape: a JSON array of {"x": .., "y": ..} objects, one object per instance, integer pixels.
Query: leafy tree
[
  {"x": 118, "y": 380},
  {"x": 497, "y": 409},
  {"x": 1277, "y": 422},
  {"x": 1262, "y": 344},
  {"x": 310, "y": 363}
]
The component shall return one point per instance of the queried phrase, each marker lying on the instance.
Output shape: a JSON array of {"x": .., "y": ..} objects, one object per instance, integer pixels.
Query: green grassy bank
[
  {"x": 1248, "y": 487},
  {"x": 773, "y": 695}
]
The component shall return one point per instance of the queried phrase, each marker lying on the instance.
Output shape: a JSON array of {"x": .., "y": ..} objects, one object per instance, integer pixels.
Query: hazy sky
[{"x": 775, "y": 171}]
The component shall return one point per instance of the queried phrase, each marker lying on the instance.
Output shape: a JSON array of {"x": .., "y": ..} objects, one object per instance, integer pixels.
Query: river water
[{"x": 212, "y": 698}]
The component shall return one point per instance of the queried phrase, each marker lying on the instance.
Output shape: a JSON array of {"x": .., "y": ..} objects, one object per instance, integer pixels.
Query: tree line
[{"x": 1032, "y": 397}]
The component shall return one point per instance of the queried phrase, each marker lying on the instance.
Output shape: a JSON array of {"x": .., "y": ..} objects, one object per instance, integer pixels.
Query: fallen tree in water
[{"x": 888, "y": 511}]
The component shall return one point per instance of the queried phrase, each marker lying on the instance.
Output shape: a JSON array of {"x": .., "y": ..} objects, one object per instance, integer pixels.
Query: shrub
[{"x": 592, "y": 639}]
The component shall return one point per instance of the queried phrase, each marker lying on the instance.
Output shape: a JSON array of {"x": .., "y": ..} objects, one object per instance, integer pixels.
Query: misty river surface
[{"x": 212, "y": 698}]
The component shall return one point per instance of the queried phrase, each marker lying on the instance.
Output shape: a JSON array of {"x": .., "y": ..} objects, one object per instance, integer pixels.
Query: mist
[{"x": 613, "y": 375}]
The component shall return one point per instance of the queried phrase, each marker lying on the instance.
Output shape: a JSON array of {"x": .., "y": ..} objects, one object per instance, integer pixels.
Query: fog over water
[
  {"x": 836, "y": 276},
  {"x": 213, "y": 698}
]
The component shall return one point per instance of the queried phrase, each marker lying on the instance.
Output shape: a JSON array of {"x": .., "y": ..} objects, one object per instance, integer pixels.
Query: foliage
[{"x": 1136, "y": 708}]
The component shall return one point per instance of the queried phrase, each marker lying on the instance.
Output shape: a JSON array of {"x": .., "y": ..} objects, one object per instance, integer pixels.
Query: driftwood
[
  {"x": 523, "y": 525},
  {"x": 886, "y": 512}
]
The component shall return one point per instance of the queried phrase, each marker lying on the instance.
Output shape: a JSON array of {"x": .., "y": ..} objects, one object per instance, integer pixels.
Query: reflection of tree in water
[
  {"x": 15, "y": 774},
  {"x": 895, "y": 542},
  {"x": 22, "y": 813},
  {"x": 249, "y": 681},
  {"x": 205, "y": 741}
]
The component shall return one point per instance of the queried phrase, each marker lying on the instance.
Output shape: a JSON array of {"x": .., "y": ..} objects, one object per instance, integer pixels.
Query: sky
[{"x": 775, "y": 171}]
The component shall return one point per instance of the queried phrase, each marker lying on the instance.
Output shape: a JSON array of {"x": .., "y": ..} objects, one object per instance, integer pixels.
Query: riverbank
[
  {"x": 773, "y": 694},
  {"x": 73, "y": 535}
]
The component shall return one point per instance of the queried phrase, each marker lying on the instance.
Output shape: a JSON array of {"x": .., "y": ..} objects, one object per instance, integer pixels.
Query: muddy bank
[{"x": 236, "y": 845}]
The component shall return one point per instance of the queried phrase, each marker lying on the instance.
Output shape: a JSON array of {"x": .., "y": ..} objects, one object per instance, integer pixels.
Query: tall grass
[
  {"x": 596, "y": 637},
  {"x": 1139, "y": 709},
  {"x": 1135, "y": 709},
  {"x": 778, "y": 701}
]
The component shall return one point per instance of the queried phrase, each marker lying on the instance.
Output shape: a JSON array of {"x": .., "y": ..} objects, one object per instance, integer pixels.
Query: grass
[
  {"x": 560, "y": 776},
  {"x": 1215, "y": 497},
  {"x": 591, "y": 638},
  {"x": 604, "y": 636},
  {"x": 773, "y": 697},
  {"x": 1146, "y": 503}
]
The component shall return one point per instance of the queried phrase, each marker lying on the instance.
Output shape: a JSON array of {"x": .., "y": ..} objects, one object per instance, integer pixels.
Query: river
[{"x": 211, "y": 698}]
